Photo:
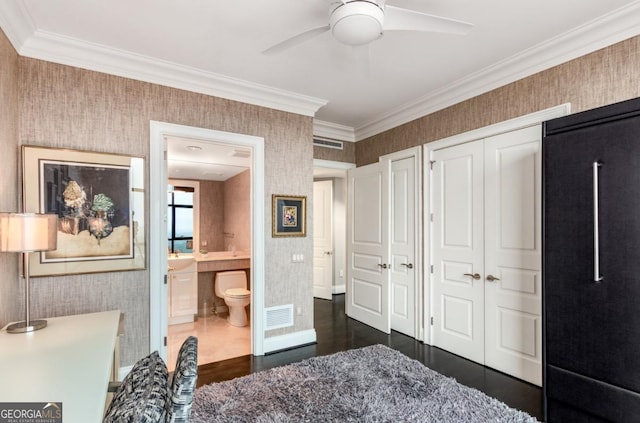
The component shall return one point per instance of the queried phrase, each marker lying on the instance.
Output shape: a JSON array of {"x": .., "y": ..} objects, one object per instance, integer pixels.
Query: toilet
[{"x": 232, "y": 286}]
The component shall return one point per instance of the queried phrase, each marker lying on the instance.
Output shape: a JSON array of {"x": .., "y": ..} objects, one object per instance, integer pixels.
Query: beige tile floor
[{"x": 217, "y": 340}]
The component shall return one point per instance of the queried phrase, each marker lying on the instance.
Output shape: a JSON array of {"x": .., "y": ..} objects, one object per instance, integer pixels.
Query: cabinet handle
[
  {"x": 492, "y": 278},
  {"x": 407, "y": 265},
  {"x": 383, "y": 265},
  {"x": 328, "y": 253},
  {"x": 596, "y": 239},
  {"x": 475, "y": 276}
]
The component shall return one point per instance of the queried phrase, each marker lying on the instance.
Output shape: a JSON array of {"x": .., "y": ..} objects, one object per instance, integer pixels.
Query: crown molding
[
  {"x": 16, "y": 23},
  {"x": 609, "y": 29},
  {"x": 29, "y": 42},
  {"x": 333, "y": 131},
  {"x": 43, "y": 45}
]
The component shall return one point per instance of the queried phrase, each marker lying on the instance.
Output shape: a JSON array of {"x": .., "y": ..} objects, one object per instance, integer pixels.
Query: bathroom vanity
[
  {"x": 182, "y": 289},
  {"x": 223, "y": 260},
  {"x": 183, "y": 279}
]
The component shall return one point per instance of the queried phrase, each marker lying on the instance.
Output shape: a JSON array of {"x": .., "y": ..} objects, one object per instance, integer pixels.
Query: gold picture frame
[
  {"x": 289, "y": 216},
  {"x": 99, "y": 200}
]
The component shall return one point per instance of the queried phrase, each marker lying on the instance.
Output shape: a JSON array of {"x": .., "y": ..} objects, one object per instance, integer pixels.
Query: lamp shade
[{"x": 25, "y": 232}]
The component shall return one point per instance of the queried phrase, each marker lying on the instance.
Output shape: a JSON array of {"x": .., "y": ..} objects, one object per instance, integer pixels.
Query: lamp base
[{"x": 21, "y": 327}]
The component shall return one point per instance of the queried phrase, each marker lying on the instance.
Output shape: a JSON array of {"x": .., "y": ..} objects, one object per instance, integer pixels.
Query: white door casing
[
  {"x": 337, "y": 171},
  {"x": 323, "y": 239},
  {"x": 367, "y": 246},
  {"x": 513, "y": 303},
  {"x": 157, "y": 221},
  {"x": 402, "y": 242},
  {"x": 457, "y": 240}
]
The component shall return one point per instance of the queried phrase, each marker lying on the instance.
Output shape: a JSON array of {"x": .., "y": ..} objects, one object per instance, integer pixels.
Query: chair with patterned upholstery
[
  {"x": 183, "y": 384},
  {"x": 143, "y": 395}
]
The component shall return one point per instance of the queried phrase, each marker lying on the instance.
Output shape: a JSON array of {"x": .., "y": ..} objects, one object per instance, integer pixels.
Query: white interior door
[
  {"x": 402, "y": 246},
  {"x": 367, "y": 295},
  {"x": 513, "y": 303},
  {"x": 487, "y": 303},
  {"x": 458, "y": 250},
  {"x": 322, "y": 239}
]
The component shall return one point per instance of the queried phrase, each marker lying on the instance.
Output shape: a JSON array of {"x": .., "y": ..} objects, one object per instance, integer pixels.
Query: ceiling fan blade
[
  {"x": 398, "y": 19},
  {"x": 295, "y": 40},
  {"x": 362, "y": 57}
]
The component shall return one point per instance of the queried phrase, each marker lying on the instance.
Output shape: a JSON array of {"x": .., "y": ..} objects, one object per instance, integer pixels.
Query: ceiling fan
[{"x": 359, "y": 22}]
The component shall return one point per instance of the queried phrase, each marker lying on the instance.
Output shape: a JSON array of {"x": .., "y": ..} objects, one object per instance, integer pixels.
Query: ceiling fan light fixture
[{"x": 357, "y": 22}]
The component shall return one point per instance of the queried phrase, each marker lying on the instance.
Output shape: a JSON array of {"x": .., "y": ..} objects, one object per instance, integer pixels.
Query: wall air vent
[
  {"x": 278, "y": 317},
  {"x": 327, "y": 143}
]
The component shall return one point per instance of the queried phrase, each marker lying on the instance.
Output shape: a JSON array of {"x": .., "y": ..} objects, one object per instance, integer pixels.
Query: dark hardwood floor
[{"x": 337, "y": 332}]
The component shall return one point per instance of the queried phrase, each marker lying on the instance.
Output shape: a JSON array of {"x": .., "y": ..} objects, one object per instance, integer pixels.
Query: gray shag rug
[{"x": 371, "y": 384}]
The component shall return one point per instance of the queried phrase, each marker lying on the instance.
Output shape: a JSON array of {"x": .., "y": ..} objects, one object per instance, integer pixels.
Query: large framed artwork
[
  {"x": 289, "y": 216},
  {"x": 99, "y": 201}
]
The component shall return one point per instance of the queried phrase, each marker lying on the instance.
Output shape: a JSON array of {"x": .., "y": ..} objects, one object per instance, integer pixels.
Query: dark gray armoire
[{"x": 591, "y": 265}]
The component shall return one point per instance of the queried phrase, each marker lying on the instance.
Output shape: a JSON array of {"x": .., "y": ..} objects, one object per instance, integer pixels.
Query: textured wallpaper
[
  {"x": 237, "y": 212},
  {"x": 63, "y": 106},
  {"x": 212, "y": 215},
  {"x": 347, "y": 154},
  {"x": 11, "y": 287},
  {"x": 600, "y": 78}
]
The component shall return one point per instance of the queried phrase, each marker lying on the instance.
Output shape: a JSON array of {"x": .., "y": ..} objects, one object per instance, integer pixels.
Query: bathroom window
[{"x": 180, "y": 219}]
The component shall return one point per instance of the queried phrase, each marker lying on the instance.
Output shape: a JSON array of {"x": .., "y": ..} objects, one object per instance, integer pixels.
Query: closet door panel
[
  {"x": 458, "y": 253},
  {"x": 513, "y": 300}
]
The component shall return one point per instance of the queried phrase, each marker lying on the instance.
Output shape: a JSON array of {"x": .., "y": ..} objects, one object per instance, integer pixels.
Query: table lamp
[{"x": 25, "y": 233}]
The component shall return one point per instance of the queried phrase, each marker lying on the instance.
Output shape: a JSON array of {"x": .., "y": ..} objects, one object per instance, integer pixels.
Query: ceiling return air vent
[
  {"x": 327, "y": 143},
  {"x": 278, "y": 317},
  {"x": 241, "y": 153}
]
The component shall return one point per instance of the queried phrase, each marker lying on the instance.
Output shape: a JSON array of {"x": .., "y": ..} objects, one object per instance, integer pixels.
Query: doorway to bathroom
[
  {"x": 208, "y": 218},
  {"x": 211, "y": 184}
]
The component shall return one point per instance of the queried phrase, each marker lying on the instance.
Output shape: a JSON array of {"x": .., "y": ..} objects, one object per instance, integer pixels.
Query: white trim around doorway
[
  {"x": 339, "y": 240},
  {"x": 157, "y": 223}
]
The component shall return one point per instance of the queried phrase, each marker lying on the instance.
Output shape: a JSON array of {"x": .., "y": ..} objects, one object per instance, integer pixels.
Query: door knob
[
  {"x": 383, "y": 265},
  {"x": 475, "y": 276},
  {"x": 492, "y": 278},
  {"x": 407, "y": 265}
]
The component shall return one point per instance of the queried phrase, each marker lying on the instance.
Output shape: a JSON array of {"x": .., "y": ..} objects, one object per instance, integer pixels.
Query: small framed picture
[{"x": 289, "y": 215}]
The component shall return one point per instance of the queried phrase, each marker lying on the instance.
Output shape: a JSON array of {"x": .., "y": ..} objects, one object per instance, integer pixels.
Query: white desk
[{"x": 69, "y": 361}]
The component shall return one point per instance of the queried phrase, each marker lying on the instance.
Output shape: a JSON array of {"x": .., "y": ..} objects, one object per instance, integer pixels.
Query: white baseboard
[
  {"x": 339, "y": 289},
  {"x": 290, "y": 340}
]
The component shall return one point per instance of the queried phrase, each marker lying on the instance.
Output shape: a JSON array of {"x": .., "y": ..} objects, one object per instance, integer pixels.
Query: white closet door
[
  {"x": 367, "y": 294},
  {"x": 402, "y": 246},
  {"x": 323, "y": 239},
  {"x": 458, "y": 250},
  {"x": 513, "y": 303}
]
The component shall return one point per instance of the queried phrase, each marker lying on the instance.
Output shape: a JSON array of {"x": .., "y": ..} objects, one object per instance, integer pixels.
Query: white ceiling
[
  {"x": 214, "y": 47},
  {"x": 203, "y": 160}
]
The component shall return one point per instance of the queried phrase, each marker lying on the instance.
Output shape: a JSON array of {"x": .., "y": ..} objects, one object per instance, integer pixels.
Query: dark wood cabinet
[{"x": 591, "y": 230}]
